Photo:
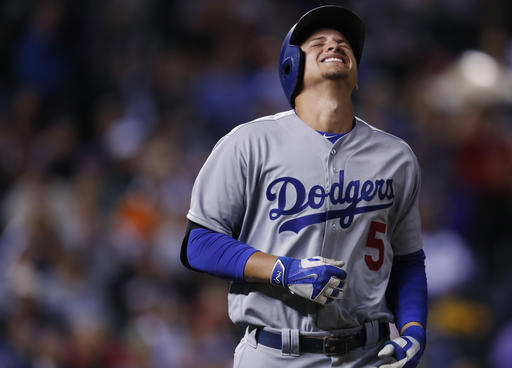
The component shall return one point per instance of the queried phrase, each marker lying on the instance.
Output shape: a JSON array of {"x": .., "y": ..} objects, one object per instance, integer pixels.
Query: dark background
[{"x": 109, "y": 108}]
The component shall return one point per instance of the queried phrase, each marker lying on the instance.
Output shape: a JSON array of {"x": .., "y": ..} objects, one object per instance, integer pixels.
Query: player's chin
[{"x": 336, "y": 74}]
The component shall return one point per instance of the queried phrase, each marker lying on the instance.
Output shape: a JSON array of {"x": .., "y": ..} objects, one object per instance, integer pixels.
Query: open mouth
[{"x": 334, "y": 59}]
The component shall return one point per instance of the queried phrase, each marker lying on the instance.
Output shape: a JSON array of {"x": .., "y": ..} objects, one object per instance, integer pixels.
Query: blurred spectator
[{"x": 41, "y": 60}]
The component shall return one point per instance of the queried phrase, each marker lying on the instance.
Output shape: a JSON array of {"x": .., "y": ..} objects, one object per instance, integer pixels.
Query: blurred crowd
[{"x": 108, "y": 108}]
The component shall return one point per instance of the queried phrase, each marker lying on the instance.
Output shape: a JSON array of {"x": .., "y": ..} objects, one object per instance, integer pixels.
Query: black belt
[{"x": 328, "y": 345}]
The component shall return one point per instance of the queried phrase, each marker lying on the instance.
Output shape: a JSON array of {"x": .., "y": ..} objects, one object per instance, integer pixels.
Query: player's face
[{"x": 329, "y": 56}]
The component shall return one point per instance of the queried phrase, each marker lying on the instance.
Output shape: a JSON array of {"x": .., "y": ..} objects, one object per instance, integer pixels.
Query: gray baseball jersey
[{"x": 279, "y": 186}]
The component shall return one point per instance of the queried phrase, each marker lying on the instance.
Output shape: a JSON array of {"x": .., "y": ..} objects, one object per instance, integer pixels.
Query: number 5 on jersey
[{"x": 374, "y": 242}]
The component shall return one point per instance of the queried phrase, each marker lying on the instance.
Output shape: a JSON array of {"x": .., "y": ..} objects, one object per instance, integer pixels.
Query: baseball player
[{"x": 313, "y": 215}]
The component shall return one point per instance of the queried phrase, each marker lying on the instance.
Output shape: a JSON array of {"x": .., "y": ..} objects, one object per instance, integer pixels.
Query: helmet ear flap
[
  {"x": 291, "y": 68},
  {"x": 287, "y": 66}
]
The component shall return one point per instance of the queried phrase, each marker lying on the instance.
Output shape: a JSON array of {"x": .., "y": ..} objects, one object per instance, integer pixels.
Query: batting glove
[
  {"x": 318, "y": 279},
  {"x": 406, "y": 349}
]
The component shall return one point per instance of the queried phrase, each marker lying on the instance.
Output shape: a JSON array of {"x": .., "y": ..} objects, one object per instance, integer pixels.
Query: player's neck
[{"x": 329, "y": 113}]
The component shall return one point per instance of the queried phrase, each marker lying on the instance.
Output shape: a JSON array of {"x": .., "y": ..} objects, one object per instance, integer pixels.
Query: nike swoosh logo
[{"x": 313, "y": 276}]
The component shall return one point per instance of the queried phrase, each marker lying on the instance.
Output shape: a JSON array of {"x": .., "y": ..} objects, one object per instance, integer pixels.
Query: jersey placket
[{"x": 335, "y": 163}]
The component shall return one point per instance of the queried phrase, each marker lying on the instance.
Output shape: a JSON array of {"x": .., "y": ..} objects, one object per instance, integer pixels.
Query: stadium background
[{"x": 109, "y": 108}]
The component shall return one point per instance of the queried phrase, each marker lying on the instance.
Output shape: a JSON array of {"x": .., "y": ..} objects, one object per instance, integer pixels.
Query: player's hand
[
  {"x": 406, "y": 349},
  {"x": 318, "y": 279}
]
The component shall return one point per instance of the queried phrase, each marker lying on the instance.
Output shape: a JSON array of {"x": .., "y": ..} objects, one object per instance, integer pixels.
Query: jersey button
[{"x": 333, "y": 152}]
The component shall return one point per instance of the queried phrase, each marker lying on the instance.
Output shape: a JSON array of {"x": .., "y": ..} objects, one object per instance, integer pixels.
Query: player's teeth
[{"x": 333, "y": 59}]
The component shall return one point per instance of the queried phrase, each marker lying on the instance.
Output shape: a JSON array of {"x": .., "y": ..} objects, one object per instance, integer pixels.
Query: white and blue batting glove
[
  {"x": 318, "y": 279},
  {"x": 406, "y": 349}
]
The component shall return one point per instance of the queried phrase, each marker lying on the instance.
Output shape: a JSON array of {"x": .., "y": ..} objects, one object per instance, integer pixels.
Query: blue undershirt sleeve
[
  {"x": 217, "y": 254},
  {"x": 407, "y": 290}
]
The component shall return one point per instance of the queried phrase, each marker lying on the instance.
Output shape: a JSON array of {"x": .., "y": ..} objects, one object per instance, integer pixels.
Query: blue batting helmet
[{"x": 291, "y": 60}]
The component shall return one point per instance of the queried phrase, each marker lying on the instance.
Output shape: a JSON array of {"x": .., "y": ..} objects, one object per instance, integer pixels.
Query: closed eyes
[{"x": 321, "y": 42}]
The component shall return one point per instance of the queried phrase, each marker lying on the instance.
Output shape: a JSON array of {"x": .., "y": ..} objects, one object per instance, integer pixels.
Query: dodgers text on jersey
[{"x": 292, "y": 199}]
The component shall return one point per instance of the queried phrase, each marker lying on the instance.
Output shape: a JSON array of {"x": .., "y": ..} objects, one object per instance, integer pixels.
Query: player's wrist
[
  {"x": 279, "y": 273},
  {"x": 417, "y": 332},
  {"x": 409, "y": 324}
]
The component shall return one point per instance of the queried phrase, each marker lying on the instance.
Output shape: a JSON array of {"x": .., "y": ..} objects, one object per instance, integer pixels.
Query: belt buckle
[{"x": 330, "y": 345}]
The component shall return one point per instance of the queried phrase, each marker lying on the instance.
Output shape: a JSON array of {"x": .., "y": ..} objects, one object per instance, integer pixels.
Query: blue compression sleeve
[
  {"x": 217, "y": 254},
  {"x": 407, "y": 289}
]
